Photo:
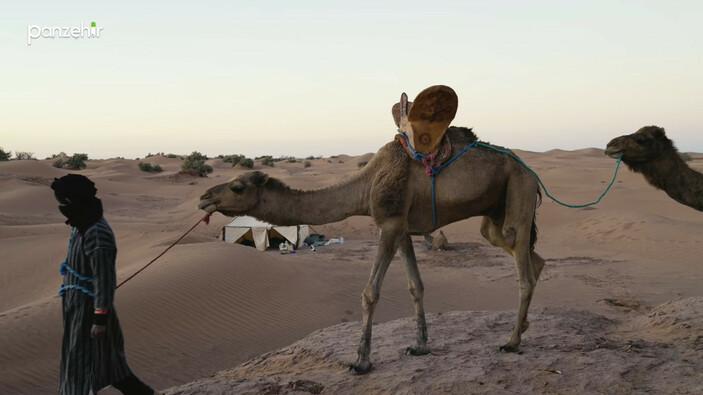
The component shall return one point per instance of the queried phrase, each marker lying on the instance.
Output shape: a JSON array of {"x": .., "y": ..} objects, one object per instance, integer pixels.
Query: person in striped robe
[{"x": 92, "y": 349}]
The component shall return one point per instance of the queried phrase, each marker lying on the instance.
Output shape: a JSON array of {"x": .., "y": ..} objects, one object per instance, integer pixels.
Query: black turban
[{"x": 76, "y": 193}]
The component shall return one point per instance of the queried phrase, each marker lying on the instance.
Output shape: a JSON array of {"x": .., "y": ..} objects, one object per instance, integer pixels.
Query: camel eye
[
  {"x": 237, "y": 188},
  {"x": 641, "y": 140}
]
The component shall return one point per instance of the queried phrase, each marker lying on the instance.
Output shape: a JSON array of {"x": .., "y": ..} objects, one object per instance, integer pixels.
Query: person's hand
[{"x": 97, "y": 331}]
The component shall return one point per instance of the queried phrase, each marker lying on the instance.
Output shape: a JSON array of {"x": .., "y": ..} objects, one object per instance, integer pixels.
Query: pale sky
[{"x": 306, "y": 78}]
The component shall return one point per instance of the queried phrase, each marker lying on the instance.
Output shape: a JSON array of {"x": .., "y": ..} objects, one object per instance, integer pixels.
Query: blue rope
[
  {"x": 75, "y": 286},
  {"x": 64, "y": 269},
  {"x": 434, "y": 170},
  {"x": 615, "y": 173}
]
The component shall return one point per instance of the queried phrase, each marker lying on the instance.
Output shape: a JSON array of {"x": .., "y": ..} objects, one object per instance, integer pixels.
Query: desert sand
[{"x": 618, "y": 309}]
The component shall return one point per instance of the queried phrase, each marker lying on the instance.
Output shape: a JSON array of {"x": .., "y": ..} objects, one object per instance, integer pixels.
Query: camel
[
  {"x": 650, "y": 152},
  {"x": 395, "y": 191}
]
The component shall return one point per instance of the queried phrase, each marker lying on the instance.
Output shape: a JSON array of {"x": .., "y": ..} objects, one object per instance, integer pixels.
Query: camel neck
[
  {"x": 671, "y": 174},
  {"x": 281, "y": 205}
]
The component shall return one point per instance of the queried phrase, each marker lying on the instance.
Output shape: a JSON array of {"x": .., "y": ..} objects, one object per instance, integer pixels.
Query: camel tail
[{"x": 533, "y": 231}]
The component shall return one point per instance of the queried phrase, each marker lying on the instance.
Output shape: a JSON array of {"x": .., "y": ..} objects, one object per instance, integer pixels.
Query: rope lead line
[{"x": 615, "y": 173}]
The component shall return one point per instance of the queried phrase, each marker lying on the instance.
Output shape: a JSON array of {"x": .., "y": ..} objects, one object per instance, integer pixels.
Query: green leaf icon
[{"x": 92, "y": 24}]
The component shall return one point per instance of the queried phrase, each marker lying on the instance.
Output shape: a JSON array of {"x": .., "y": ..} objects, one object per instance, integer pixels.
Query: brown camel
[
  {"x": 650, "y": 152},
  {"x": 395, "y": 191}
]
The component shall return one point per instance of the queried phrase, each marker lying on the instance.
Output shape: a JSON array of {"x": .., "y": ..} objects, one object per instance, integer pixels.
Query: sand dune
[{"x": 207, "y": 306}]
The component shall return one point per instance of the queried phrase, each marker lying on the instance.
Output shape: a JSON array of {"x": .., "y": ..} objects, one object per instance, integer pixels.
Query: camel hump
[{"x": 428, "y": 117}]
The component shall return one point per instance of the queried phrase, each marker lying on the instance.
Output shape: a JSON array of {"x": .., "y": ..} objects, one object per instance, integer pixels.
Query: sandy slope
[{"x": 208, "y": 306}]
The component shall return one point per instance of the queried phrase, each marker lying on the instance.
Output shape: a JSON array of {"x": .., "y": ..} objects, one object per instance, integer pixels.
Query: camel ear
[
  {"x": 432, "y": 113},
  {"x": 401, "y": 108},
  {"x": 258, "y": 178}
]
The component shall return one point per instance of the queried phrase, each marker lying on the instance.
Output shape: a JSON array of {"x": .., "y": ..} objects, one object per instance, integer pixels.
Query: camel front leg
[
  {"x": 417, "y": 291},
  {"x": 388, "y": 245}
]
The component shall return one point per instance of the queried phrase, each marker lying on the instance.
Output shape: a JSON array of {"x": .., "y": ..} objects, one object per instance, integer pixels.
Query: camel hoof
[
  {"x": 509, "y": 348},
  {"x": 360, "y": 368},
  {"x": 417, "y": 350}
]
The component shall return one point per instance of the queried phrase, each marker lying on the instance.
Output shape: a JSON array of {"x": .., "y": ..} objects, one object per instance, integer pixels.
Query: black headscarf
[{"x": 76, "y": 193}]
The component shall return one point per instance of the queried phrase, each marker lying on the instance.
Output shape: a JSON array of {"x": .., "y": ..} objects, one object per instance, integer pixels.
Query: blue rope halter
[
  {"x": 433, "y": 169},
  {"x": 64, "y": 269}
]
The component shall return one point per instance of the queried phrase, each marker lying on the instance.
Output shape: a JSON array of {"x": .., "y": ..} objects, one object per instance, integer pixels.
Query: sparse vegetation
[
  {"x": 307, "y": 163},
  {"x": 310, "y": 157},
  {"x": 59, "y": 155},
  {"x": 292, "y": 160},
  {"x": 76, "y": 162},
  {"x": 58, "y": 163},
  {"x": 4, "y": 156},
  {"x": 362, "y": 164},
  {"x": 233, "y": 159},
  {"x": 685, "y": 156},
  {"x": 195, "y": 162},
  {"x": 267, "y": 161},
  {"x": 22, "y": 155},
  {"x": 247, "y": 162},
  {"x": 148, "y": 167}
]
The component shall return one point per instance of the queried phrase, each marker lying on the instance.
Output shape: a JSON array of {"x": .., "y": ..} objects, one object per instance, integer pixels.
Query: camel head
[
  {"x": 235, "y": 197},
  {"x": 642, "y": 146}
]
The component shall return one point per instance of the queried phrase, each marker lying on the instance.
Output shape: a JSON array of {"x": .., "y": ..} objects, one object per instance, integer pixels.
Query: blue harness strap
[
  {"x": 433, "y": 169},
  {"x": 64, "y": 269}
]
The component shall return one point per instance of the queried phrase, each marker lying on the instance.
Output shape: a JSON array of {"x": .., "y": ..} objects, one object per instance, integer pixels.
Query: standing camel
[
  {"x": 650, "y": 152},
  {"x": 395, "y": 191}
]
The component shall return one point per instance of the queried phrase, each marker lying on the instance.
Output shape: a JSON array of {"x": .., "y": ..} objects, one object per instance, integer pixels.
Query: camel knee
[
  {"x": 416, "y": 291},
  {"x": 369, "y": 298}
]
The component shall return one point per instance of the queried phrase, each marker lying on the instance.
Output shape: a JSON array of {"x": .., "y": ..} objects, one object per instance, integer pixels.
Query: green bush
[
  {"x": 291, "y": 160},
  {"x": 685, "y": 156},
  {"x": 59, "y": 163},
  {"x": 307, "y": 163},
  {"x": 76, "y": 162},
  {"x": 196, "y": 161},
  {"x": 267, "y": 161},
  {"x": 233, "y": 159},
  {"x": 5, "y": 155},
  {"x": 247, "y": 162},
  {"x": 21, "y": 155},
  {"x": 145, "y": 166}
]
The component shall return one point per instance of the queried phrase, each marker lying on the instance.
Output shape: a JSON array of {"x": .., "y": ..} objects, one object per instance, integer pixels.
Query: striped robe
[{"x": 90, "y": 363}]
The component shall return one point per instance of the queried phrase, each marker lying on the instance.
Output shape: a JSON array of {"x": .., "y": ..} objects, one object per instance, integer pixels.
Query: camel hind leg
[{"x": 514, "y": 236}]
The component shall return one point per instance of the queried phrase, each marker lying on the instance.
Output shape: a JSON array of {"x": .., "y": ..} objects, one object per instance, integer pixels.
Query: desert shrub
[
  {"x": 233, "y": 159},
  {"x": 146, "y": 166},
  {"x": 291, "y": 160},
  {"x": 76, "y": 162},
  {"x": 267, "y": 161},
  {"x": 311, "y": 157},
  {"x": 685, "y": 156},
  {"x": 340, "y": 161},
  {"x": 5, "y": 155},
  {"x": 22, "y": 155},
  {"x": 362, "y": 164},
  {"x": 59, "y": 155},
  {"x": 307, "y": 164},
  {"x": 247, "y": 162},
  {"x": 172, "y": 156},
  {"x": 196, "y": 161},
  {"x": 58, "y": 163}
]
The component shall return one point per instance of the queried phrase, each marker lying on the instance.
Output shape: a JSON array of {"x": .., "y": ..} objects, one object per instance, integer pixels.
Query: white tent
[{"x": 245, "y": 228}]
